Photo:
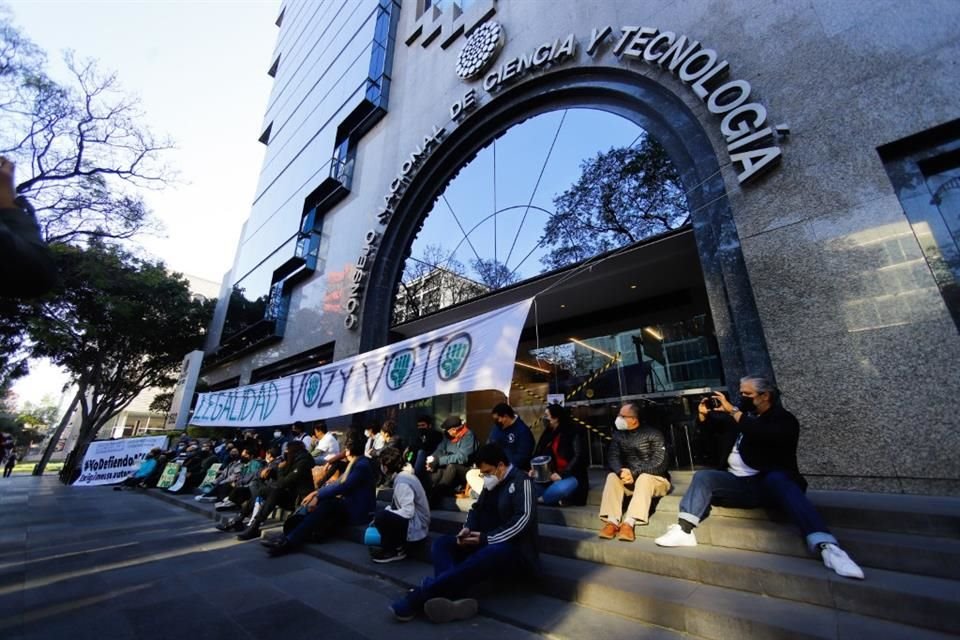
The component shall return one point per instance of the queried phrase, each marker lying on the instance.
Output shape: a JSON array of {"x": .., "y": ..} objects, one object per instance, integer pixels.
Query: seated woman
[
  {"x": 407, "y": 519},
  {"x": 144, "y": 471},
  {"x": 566, "y": 446}
]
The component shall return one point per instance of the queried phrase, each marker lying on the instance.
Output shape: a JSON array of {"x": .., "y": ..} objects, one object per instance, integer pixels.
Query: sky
[{"x": 200, "y": 72}]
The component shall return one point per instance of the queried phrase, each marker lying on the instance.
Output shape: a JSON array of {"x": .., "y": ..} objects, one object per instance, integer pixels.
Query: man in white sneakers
[{"x": 761, "y": 470}]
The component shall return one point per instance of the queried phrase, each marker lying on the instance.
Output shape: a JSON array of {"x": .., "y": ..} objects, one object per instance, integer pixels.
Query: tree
[
  {"x": 38, "y": 416},
  {"x": 623, "y": 195},
  {"x": 118, "y": 324},
  {"x": 161, "y": 402},
  {"x": 83, "y": 157},
  {"x": 432, "y": 282},
  {"x": 82, "y": 153},
  {"x": 494, "y": 274}
]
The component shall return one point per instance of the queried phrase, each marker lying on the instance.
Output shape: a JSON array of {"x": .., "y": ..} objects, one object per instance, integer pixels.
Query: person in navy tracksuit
[{"x": 498, "y": 541}]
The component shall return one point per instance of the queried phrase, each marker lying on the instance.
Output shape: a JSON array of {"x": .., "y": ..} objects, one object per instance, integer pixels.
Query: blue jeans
[
  {"x": 774, "y": 489},
  {"x": 458, "y": 568},
  {"x": 553, "y": 492}
]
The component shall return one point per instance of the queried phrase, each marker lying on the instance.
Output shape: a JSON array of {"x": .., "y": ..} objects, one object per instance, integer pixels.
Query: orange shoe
[
  {"x": 609, "y": 531},
  {"x": 626, "y": 533}
]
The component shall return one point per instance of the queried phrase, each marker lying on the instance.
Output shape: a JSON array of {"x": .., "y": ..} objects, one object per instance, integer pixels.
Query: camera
[{"x": 712, "y": 403}]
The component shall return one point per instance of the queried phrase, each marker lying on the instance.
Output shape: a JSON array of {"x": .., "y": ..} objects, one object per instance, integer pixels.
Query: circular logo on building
[{"x": 481, "y": 48}]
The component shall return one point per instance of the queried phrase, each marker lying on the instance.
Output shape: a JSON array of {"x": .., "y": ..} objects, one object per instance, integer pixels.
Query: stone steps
[
  {"x": 750, "y": 577},
  {"x": 901, "y": 597},
  {"x": 677, "y": 605}
]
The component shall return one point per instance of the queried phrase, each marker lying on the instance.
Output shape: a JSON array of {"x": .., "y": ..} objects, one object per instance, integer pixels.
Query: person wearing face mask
[
  {"x": 498, "y": 541},
  {"x": 349, "y": 500},
  {"x": 637, "y": 463},
  {"x": 761, "y": 470},
  {"x": 226, "y": 478},
  {"x": 241, "y": 492},
  {"x": 294, "y": 481},
  {"x": 513, "y": 435},
  {"x": 565, "y": 444},
  {"x": 407, "y": 518}
]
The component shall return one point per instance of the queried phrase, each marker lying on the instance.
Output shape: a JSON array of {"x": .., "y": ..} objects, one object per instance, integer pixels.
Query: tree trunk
[
  {"x": 89, "y": 428},
  {"x": 55, "y": 438}
]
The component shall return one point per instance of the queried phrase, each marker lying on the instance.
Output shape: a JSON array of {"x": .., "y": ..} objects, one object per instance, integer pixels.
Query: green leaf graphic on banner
[
  {"x": 454, "y": 356},
  {"x": 400, "y": 370},
  {"x": 313, "y": 387}
]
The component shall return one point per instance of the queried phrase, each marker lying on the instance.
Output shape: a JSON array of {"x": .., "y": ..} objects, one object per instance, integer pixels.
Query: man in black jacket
[
  {"x": 424, "y": 443},
  {"x": 499, "y": 540},
  {"x": 637, "y": 460},
  {"x": 761, "y": 470},
  {"x": 294, "y": 482}
]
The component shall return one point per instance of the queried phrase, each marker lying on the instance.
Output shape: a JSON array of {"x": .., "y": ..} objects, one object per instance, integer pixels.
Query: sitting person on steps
[
  {"x": 294, "y": 481},
  {"x": 637, "y": 463},
  {"x": 761, "y": 470},
  {"x": 498, "y": 541},
  {"x": 446, "y": 467},
  {"x": 566, "y": 444},
  {"x": 349, "y": 500},
  {"x": 407, "y": 519}
]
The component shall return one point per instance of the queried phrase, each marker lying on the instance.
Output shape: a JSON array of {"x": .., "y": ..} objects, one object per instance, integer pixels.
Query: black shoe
[
  {"x": 251, "y": 532},
  {"x": 278, "y": 546},
  {"x": 233, "y": 524}
]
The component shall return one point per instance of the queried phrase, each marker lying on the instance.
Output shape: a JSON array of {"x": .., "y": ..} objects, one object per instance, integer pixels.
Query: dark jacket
[
  {"x": 450, "y": 452},
  {"x": 357, "y": 487},
  {"x": 517, "y": 442},
  {"x": 769, "y": 441},
  {"x": 508, "y": 515},
  {"x": 26, "y": 265},
  {"x": 426, "y": 440},
  {"x": 296, "y": 475},
  {"x": 573, "y": 448},
  {"x": 641, "y": 450}
]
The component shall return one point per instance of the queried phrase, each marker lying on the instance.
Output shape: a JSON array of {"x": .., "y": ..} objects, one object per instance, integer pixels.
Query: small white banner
[
  {"x": 110, "y": 461},
  {"x": 472, "y": 355}
]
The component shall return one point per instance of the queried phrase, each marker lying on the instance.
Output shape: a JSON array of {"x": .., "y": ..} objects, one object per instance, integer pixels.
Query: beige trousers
[{"x": 645, "y": 488}]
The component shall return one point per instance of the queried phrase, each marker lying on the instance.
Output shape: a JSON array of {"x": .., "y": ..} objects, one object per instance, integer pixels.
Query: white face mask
[
  {"x": 490, "y": 482},
  {"x": 277, "y": 434},
  {"x": 621, "y": 423}
]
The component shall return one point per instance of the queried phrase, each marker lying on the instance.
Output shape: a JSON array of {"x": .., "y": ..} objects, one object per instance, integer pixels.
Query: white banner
[
  {"x": 472, "y": 355},
  {"x": 110, "y": 461}
]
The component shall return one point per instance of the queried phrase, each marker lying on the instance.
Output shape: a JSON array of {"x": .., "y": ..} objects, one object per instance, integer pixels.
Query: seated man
[
  {"x": 349, "y": 500},
  {"x": 513, "y": 435},
  {"x": 249, "y": 473},
  {"x": 637, "y": 461},
  {"x": 294, "y": 481},
  {"x": 226, "y": 479},
  {"x": 498, "y": 541},
  {"x": 446, "y": 468},
  {"x": 424, "y": 443},
  {"x": 761, "y": 470},
  {"x": 325, "y": 446},
  {"x": 407, "y": 519}
]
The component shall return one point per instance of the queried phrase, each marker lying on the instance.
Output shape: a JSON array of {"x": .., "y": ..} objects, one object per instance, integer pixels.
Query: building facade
[{"x": 811, "y": 233}]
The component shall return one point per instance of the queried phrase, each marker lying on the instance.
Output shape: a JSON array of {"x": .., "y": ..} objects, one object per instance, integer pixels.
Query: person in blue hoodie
[
  {"x": 143, "y": 471},
  {"x": 350, "y": 500},
  {"x": 513, "y": 435}
]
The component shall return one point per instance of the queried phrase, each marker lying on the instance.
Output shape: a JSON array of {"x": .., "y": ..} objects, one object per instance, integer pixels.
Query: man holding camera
[{"x": 761, "y": 470}]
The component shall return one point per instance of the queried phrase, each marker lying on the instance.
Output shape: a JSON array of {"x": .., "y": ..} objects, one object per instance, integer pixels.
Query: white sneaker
[
  {"x": 837, "y": 559},
  {"x": 207, "y": 499},
  {"x": 223, "y": 505},
  {"x": 675, "y": 537}
]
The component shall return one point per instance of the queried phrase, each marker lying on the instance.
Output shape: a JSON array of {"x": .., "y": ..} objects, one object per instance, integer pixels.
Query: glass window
[
  {"x": 255, "y": 298},
  {"x": 548, "y": 193}
]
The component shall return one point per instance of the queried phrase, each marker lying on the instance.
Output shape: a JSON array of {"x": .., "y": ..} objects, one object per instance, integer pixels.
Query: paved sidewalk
[{"x": 89, "y": 562}]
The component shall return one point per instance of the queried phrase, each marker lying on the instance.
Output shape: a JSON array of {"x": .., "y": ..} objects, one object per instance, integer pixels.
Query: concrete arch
[{"x": 663, "y": 115}]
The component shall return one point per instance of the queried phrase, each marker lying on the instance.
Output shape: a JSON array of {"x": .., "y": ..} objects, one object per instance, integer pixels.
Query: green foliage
[
  {"x": 161, "y": 402},
  {"x": 118, "y": 324},
  {"x": 623, "y": 195}
]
